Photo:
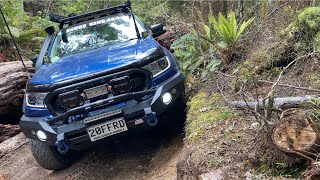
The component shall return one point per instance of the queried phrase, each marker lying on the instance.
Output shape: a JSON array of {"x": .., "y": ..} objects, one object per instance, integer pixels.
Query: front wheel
[
  {"x": 175, "y": 116},
  {"x": 48, "y": 157}
]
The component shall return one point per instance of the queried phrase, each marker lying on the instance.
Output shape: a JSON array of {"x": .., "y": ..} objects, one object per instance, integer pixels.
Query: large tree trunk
[{"x": 13, "y": 78}]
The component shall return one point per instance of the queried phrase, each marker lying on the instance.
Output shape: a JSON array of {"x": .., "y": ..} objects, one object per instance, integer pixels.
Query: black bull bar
[{"x": 101, "y": 104}]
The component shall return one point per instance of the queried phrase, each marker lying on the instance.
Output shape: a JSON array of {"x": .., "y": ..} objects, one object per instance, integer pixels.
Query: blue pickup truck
[{"x": 101, "y": 75}]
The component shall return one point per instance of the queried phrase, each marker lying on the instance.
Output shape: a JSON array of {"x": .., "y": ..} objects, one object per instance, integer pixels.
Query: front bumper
[{"x": 75, "y": 133}]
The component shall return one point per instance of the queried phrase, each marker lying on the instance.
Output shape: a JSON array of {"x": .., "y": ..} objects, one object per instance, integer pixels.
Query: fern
[
  {"x": 195, "y": 55},
  {"x": 227, "y": 29}
]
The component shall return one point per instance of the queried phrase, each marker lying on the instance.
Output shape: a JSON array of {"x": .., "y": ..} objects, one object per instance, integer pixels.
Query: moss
[
  {"x": 301, "y": 37},
  {"x": 304, "y": 31},
  {"x": 316, "y": 40},
  {"x": 204, "y": 111}
]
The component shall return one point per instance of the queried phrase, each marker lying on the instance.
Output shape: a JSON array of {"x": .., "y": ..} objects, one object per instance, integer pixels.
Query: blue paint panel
[
  {"x": 96, "y": 60},
  {"x": 37, "y": 112}
]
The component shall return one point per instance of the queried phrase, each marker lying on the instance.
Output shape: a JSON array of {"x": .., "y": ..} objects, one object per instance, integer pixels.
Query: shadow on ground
[{"x": 149, "y": 155}]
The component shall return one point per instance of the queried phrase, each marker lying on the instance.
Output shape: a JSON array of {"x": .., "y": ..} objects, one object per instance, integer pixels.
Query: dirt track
[{"x": 136, "y": 157}]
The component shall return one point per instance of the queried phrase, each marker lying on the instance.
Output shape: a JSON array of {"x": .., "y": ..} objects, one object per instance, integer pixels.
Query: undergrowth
[{"x": 204, "y": 111}]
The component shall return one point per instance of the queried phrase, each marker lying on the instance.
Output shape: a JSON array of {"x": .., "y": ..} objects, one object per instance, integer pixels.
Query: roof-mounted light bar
[{"x": 126, "y": 7}]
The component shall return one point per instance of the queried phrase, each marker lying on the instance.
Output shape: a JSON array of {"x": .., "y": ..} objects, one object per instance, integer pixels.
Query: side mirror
[
  {"x": 157, "y": 30},
  {"x": 34, "y": 59},
  {"x": 49, "y": 30}
]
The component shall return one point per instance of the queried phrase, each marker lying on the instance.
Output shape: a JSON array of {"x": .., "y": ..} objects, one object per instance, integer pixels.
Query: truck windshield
[{"x": 92, "y": 35}]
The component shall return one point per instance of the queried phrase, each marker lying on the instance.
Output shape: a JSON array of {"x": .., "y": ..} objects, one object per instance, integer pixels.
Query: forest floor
[{"x": 136, "y": 157}]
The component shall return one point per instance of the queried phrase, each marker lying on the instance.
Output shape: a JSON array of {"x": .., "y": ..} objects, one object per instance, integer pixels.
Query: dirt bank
[{"x": 151, "y": 156}]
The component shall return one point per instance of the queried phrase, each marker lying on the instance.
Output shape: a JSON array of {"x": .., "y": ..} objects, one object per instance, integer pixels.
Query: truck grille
[{"x": 64, "y": 98}]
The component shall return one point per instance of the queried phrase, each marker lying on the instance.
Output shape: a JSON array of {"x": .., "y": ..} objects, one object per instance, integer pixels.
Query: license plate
[
  {"x": 96, "y": 91},
  {"x": 102, "y": 116},
  {"x": 107, "y": 129}
]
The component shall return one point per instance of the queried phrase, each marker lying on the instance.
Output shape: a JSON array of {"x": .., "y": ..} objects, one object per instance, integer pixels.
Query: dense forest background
[
  {"x": 28, "y": 18},
  {"x": 247, "y": 51}
]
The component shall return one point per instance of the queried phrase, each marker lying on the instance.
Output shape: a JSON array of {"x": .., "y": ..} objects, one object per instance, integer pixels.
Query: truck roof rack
[{"x": 74, "y": 19}]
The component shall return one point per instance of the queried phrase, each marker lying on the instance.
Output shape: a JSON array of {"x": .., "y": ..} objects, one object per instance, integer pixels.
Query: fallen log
[
  {"x": 7, "y": 131},
  {"x": 12, "y": 82},
  {"x": 280, "y": 102}
]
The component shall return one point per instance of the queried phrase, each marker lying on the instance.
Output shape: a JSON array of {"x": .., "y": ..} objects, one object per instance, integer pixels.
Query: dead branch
[
  {"x": 280, "y": 102},
  {"x": 290, "y": 86},
  {"x": 270, "y": 82}
]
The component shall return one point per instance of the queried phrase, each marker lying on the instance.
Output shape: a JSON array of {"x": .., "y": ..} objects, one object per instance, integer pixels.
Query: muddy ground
[{"x": 140, "y": 156}]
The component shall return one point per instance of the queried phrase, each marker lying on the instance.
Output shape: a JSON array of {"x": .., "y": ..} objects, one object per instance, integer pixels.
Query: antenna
[{"x": 14, "y": 42}]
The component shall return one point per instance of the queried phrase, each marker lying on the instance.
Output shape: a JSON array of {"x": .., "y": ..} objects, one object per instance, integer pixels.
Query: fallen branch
[
  {"x": 282, "y": 72},
  {"x": 290, "y": 86},
  {"x": 270, "y": 82},
  {"x": 280, "y": 102}
]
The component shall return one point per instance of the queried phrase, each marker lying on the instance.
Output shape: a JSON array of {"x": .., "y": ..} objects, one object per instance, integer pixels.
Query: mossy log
[
  {"x": 297, "y": 134},
  {"x": 13, "y": 78}
]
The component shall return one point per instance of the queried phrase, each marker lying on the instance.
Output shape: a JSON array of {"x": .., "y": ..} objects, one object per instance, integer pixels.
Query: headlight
[
  {"x": 35, "y": 99},
  {"x": 159, "y": 66}
]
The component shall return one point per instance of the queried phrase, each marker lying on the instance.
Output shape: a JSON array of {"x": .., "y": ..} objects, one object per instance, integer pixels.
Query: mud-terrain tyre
[
  {"x": 48, "y": 157},
  {"x": 175, "y": 116}
]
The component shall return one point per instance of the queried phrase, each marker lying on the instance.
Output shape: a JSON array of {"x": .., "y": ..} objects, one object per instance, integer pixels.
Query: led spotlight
[
  {"x": 166, "y": 98},
  {"x": 41, "y": 135}
]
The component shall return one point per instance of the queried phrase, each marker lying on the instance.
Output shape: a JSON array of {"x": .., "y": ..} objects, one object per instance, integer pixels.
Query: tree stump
[
  {"x": 295, "y": 134},
  {"x": 12, "y": 82}
]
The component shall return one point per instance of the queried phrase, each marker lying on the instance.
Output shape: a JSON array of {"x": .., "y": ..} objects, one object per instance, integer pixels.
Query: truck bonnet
[{"x": 94, "y": 61}]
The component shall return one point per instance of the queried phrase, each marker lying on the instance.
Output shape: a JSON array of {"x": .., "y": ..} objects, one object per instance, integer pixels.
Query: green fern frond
[
  {"x": 243, "y": 26},
  {"x": 233, "y": 26},
  {"x": 227, "y": 29}
]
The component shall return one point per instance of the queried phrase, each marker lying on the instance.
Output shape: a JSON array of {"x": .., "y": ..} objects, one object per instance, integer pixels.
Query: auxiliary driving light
[
  {"x": 166, "y": 98},
  {"x": 41, "y": 135}
]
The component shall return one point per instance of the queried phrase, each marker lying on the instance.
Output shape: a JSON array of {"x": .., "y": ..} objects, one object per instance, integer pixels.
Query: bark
[
  {"x": 7, "y": 131},
  {"x": 12, "y": 82}
]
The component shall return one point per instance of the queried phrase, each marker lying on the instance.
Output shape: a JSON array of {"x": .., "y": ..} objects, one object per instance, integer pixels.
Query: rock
[
  {"x": 254, "y": 125},
  {"x": 12, "y": 144}
]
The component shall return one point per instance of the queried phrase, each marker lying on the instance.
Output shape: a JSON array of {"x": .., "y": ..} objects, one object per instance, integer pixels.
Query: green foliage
[
  {"x": 152, "y": 12},
  {"x": 200, "y": 53},
  {"x": 227, "y": 29},
  {"x": 316, "y": 109},
  {"x": 195, "y": 55},
  {"x": 282, "y": 169},
  {"x": 304, "y": 32},
  {"x": 27, "y": 30}
]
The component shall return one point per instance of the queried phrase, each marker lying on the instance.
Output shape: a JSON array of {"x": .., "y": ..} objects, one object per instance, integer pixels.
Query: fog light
[
  {"x": 166, "y": 98},
  {"x": 41, "y": 135}
]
